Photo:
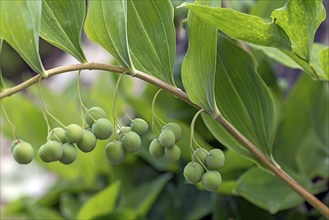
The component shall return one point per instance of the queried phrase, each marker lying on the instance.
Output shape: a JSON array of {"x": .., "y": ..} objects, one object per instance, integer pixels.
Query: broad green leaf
[
  {"x": 242, "y": 26},
  {"x": 320, "y": 111},
  {"x": 106, "y": 24},
  {"x": 324, "y": 59},
  {"x": 300, "y": 19},
  {"x": 296, "y": 121},
  {"x": 268, "y": 192},
  {"x": 19, "y": 26},
  {"x": 242, "y": 96},
  {"x": 199, "y": 65},
  {"x": 61, "y": 25},
  {"x": 151, "y": 37},
  {"x": 312, "y": 156},
  {"x": 264, "y": 8},
  {"x": 142, "y": 198},
  {"x": 101, "y": 203}
]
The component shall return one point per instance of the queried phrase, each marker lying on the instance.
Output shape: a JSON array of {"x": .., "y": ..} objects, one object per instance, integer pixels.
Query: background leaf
[
  {"x": 106, "y": 24},
  {"x": 101, "y": 203},
  {"x": 199, "y": 65},
  {"x": 61, "y": 25},
  {"x": 142, "y": 198},
  {"x": 324, "y": 59},
  {"x": 242, "y": 26},
  {"x": 243, "y": 98},
  {"x": 151, "y": 36},
  {"x": 296, "y": 121},
  {"x": 19, "y": 26},
  {"x": 2, "y": 86},
  {"x": 270, "y": 193},
  {"x": 300, "y": 19}
]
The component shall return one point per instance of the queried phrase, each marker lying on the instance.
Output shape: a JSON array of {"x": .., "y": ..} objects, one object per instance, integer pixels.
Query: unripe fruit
[
  {"x": 87, "y": 142},
  {"x": 93, "y": 114},
  {"x": 23, "y": 153},
  {"x": 115, "y": 152},
  {"x": 69, "y": 153},
  {"x": 14, "y": 143},
  {"x": 139, "y": 126},
  {"x": 167, "y": 138},
  {"x": 57, "y": 134},
  {"x": 215, "y": 159},
  {"x": 193, "y": 172},
  {"x": 173, "y": 153},
  {"x": 125, "y": 130},
  {"x": 199, "y": 155},
  {"x": 131, "y": 142},
  {"x": 50, "y": 151},
  {"x": 156, "y": 150},
  {"x": 211, "y": 180},
  {"x": 176, "y": 129},
  {"x": 102, "y": 128},
  {"x": 73, "y": 133}
]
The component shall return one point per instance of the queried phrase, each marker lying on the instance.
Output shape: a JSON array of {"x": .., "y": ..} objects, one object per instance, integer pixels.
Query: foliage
[{"x": 228, "y": 70}]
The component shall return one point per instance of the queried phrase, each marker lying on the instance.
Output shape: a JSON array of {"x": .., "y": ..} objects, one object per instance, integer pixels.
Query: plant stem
[{"x": 317, "y": 204}]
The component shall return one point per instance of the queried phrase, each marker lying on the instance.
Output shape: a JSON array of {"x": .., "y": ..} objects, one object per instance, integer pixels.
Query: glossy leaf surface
[
  {"x": 61, "y": 25},
  {"x": 19, "y": 26},
  {"x": 199, "y": 66}
]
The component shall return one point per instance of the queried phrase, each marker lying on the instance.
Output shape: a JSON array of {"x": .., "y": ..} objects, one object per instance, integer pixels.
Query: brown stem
[{"x": 322, "y": 208}]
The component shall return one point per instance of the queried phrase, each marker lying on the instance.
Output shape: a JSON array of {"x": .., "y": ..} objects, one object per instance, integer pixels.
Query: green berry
[
  {"x": 167, "y": 138},
  {"x": 199, "y": 155},
  {"x": 173, "y": 153},
  {"x": 156, "y": 150},
  {"x": 93, "y": 114},
  {"x": 23, "y": 153},
  {"x": 87, "y": 142},
  {"x": 131, "y": 142},
  {"x": 139, "y": 126},
  {"x": 115, "y": 152},
  {"x": 69, "y": 153},
  {"x": 14, "y": 143},
  {"x": 57, "y": 134},
  {"x": 50, "y": 151},
  {"x": 211, "y": 180},
  {"x": 102, "y": 128},
  {"x": 176, "y": 129},
  {"x": 125, "y": 130},
  {"x": 215, "y": 159},
  {"x": 73, "y": 133},
  {"x": 193, "y": 172}
]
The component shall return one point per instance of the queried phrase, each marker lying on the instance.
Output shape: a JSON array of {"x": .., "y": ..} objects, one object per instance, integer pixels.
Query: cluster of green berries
[
  {"x": 204, "y": 167},
  {"x": 62, "y": 143},
  {"x": 165, "y": 145},
  {"x": 129, "y": 141}
]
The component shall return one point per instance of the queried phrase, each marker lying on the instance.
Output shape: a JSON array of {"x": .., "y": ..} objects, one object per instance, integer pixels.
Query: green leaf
[
  {"x": 41, "y": 212},
  {"x": 61, "y": 25},
  {"x": 242, "y": 96},
  {"x": 324, "y": 59},
  {"x": 310, "y": 150},
  {"x": 152, "y": 38},
  {"x": 242, "y": 26},
  {"x": 2, "y": 85},
  {"x": 101, "y": 203},
  {"x": 143, "y": 197},
  {"x": 268, "y": 192},
  {"x": 199, "y": 65},
  {"x": 106, "y": 24},
  {"x": 296, "y": 121},
  {"x": 19, "y": 26},
  {"x": 300, "y": 19},
  {"x": 320, "y": 111}
]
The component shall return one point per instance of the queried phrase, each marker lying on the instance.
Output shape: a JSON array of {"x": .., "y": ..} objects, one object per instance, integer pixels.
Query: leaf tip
[{"x": 183, "y": 5}]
